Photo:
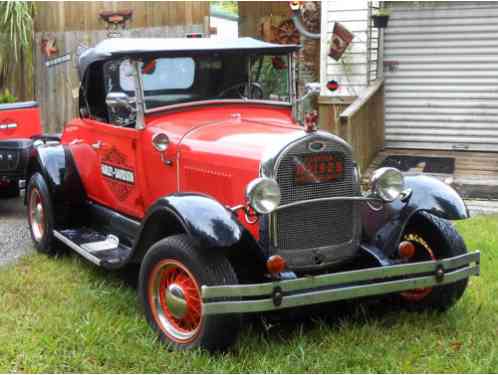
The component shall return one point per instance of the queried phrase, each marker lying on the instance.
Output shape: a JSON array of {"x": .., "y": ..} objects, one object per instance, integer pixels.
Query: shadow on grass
[{"x": 287, "y": 324}]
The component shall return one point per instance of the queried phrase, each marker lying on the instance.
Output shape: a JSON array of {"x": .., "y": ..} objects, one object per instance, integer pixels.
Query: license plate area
[{"x": 318, "y": 168}]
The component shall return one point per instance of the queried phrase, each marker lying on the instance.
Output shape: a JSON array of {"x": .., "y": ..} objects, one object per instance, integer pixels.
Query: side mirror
[
  {"x": 117, "y": 100},
  {"x": 312, "y": 88}
]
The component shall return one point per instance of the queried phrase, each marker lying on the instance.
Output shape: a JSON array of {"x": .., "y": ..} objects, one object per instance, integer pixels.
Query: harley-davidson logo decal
[
  {"x": 119, "y": 176},
  {"x": 114, "y": 157}
]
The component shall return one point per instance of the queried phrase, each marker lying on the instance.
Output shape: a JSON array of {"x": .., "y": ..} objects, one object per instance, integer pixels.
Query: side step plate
[
  {"x": 100, "y": 249},
  {"x": 85, "y": 254}
]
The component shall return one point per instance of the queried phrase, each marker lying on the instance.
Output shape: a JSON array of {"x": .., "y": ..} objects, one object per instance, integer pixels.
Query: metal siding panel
[{"x": 441, "y": 76}]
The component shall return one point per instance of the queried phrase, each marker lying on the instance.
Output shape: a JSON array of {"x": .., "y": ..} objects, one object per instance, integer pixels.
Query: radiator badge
[{"x": 316, "y": 146}]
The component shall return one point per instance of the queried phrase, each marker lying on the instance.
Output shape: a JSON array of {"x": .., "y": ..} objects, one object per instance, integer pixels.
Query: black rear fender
[{"x": 55, "y": 163}]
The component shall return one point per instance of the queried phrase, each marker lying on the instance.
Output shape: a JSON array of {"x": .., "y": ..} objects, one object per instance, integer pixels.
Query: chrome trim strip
[
  {"x": 77, "y": 248},
  {"x": 340, "y": 293},
  {"x": 360, "y": 199},
  {"x": 333, "y": 279},
  {"x": 139, "y": 95},
  {"x": 214, "y": 102}
]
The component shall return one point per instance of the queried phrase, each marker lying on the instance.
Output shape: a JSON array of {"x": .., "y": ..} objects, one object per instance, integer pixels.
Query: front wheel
[
  {"x": 171, "y": 276},
  {"x": 434, "y": 238}
]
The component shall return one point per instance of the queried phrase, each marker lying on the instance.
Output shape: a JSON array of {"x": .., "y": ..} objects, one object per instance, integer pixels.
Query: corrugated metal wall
[
  {"x": 441, "y": 75},
  {"x": 358, "y": 65}
]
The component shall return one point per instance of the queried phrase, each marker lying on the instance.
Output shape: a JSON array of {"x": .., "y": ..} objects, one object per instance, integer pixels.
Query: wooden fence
[
  {"x": 57, "y": 86},
  {"x": 58, "y": 16}
]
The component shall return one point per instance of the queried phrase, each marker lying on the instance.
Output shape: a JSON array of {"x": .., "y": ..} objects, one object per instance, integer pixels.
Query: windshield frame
[{"x": 140, "y": 92}]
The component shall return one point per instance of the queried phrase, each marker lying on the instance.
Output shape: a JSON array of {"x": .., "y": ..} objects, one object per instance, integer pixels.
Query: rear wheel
[
  {"x": 170, "y": 281},
  {"x": 434, "y": 238},
  {"x": 40, "y": 214}
]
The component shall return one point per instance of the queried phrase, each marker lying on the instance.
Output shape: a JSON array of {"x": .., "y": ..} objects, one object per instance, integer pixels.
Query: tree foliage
[
  {"x": 228, "y": 6},
  {"x": 16, "y": 43}
]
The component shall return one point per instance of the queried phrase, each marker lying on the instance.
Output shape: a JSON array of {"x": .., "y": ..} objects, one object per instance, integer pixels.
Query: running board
[
  {"x": 100, "y": 249},
  {"x": 75, "y": 247}
]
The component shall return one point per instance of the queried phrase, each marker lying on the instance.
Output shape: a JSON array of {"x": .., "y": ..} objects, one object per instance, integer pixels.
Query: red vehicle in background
[
  {"x": 189, "y": 159},
  {"x": 19, "y": 127}
]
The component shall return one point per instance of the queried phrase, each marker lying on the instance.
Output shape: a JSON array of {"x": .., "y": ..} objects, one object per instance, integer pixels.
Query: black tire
[
  {"x": 213, "y": 332},
  {"x": 445, "y": 242},
  {"x": 43, "y": 239},
  {"x": 10, "y": 191}
]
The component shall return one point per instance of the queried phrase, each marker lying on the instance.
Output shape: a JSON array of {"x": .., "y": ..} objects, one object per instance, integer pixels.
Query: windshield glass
[{"x": 173, "y": 80}]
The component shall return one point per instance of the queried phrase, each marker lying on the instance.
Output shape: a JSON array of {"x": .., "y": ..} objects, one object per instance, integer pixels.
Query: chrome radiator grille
[{"x": 317, "y": 225}]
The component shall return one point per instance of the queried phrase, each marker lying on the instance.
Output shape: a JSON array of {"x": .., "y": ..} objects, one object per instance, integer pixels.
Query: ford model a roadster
[{"x": 188, "y": 160}]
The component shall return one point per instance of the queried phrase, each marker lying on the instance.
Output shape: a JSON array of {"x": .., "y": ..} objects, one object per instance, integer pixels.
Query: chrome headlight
[
  {"x": 387, "y": 183},
  {"x": 263, "y": 195}
]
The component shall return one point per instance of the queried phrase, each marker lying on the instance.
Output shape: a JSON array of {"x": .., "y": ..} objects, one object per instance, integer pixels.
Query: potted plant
[{"x": 380, "y": 18}]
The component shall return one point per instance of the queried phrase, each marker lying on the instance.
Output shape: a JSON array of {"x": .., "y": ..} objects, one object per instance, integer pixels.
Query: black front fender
[
  {"x": 210, "y": 224},
  {"x": 202, "y": 218},
  {"x": 431, "y": 195},
  {"x": 384, "y": 228}
]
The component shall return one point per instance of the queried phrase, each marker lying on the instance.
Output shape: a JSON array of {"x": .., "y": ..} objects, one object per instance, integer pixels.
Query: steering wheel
[{"x": 240, "y": 89}]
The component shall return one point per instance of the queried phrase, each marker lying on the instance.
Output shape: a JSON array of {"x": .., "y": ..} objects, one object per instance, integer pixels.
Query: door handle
[
  {"x": 99, "y": 145},
  {"x": 76, "y": 142}
]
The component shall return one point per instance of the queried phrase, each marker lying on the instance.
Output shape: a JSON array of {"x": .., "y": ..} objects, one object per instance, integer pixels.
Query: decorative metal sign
[
  {"x": 58, "y": 60},
  {"x": 48, "y": 46},
  {"x": 341, "y": 38},
  {"x": 116, "y": 21}
]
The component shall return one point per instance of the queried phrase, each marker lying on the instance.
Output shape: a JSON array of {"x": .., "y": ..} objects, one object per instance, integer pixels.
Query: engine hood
[
  {"x": 222, "y": 153},
  {"x": 238, "y": 138}
]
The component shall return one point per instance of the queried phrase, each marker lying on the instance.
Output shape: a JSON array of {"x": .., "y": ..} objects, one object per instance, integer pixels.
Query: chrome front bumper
[{"x": 311, "y": 290}]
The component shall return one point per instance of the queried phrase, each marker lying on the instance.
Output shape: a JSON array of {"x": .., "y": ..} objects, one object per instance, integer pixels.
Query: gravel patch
[{"x": 15, "y": 240}]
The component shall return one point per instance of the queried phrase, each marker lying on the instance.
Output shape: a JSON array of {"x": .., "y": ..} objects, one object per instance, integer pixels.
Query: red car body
[
  {"x": 19, "y": 123},
  {"x": 213, "y": 149},
  {"x": 228, "y": 204}
]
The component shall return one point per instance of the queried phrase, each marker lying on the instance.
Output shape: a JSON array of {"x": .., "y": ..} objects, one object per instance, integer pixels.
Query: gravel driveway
[{"x": 15, "y": 240}]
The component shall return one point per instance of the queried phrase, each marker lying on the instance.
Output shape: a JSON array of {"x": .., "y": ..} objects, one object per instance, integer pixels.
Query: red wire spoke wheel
[
  {"x": 433, "y": 238},
  {"x": 36, "y": 214},
  {"x": 175, "y": 299},
  {"x": 423, "y": 252},
  {"x": 40, "y": 215},
  {"x": 171, "y": 276}
]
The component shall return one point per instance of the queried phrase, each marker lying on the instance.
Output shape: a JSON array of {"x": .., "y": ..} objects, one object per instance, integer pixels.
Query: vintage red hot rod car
[
  {"x": 188, "y": 159},
  {"x": 19, "y": 125}
]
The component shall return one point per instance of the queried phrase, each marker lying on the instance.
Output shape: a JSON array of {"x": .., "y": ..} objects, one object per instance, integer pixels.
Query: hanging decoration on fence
[
  {"x": 49, "y": 50},
  {"x": 116, "y": 21},
  {"x": 277, "y": 29},
  {"x": 48, "y": 46}
]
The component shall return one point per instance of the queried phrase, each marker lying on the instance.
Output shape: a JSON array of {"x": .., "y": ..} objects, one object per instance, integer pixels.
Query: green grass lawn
[{"x": 64, "y": 315}]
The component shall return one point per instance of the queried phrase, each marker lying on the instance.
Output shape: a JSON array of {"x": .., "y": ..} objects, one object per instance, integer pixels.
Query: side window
[{"x": 95, "y": 93}]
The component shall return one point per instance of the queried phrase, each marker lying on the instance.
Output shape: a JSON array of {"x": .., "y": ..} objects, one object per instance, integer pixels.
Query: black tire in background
[
  {"x": 10, "y": 191},
  {"x": 179, "y": 255},
  {"x": 39, "y": 205},
  {"x": 445, "y": 242}
]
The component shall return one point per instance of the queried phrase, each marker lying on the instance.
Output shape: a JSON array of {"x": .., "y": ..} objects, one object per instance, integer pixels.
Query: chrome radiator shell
[{"x": 320, "y": 234}]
